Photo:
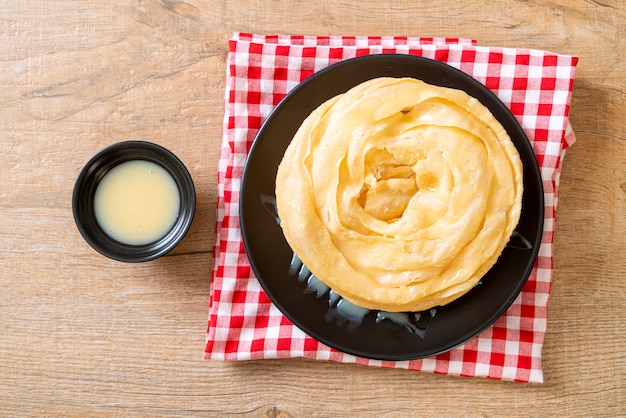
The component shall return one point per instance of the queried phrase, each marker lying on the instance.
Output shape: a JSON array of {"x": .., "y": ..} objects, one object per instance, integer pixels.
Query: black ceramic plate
[{"x": 270, "y": 256}]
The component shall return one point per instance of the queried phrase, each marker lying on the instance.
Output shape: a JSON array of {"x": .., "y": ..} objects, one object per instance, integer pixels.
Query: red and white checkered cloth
[{"x": 536, "y": 85}]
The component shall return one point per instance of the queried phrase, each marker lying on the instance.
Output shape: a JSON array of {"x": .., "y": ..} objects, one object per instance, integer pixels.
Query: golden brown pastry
[{"x": 399, "y": 195}]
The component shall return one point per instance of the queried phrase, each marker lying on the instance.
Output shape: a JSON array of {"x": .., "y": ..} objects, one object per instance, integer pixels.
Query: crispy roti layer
[{"x": 398, "y": 194}]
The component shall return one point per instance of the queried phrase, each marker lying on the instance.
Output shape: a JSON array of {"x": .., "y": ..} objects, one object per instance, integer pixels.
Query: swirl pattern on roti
[{"x": 399, "y": 195}]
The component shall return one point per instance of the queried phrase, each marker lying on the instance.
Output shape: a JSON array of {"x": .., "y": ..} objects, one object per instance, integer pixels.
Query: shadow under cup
[{"x": 95, "y": 170}]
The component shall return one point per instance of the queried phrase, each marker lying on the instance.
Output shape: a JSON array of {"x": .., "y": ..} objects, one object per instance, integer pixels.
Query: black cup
[{"x": 91, "y": 175}]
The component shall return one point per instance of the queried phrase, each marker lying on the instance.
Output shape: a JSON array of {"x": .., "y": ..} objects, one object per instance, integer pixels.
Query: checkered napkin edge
[{"x": 535, "y": 85}]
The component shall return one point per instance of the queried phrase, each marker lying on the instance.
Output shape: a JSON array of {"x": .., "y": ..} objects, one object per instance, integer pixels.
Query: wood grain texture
[{"x": 85, "y": 336}]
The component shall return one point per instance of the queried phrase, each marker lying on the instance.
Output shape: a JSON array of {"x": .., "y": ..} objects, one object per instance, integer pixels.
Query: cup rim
[{"x": 93, "y": 172}]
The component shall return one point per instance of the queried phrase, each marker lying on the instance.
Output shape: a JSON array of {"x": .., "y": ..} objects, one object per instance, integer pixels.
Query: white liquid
[{"x": 137, "y": 202}]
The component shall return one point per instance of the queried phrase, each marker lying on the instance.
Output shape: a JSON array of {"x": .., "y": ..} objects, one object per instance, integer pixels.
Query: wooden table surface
[{"x": 82, "y": 335}]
